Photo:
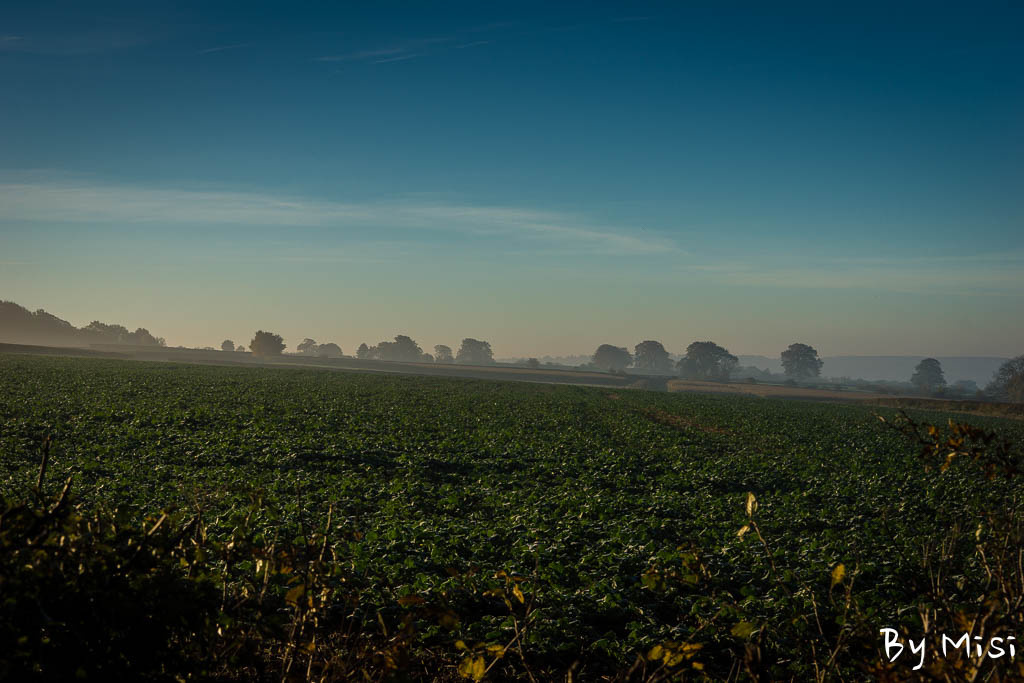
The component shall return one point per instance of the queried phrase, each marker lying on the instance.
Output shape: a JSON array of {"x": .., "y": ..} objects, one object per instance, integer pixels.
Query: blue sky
[{"x": 546, "y": 177}]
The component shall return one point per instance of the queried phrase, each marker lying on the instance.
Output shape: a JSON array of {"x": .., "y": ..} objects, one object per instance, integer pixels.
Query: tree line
[
  {"x": 22, "y": 326},
  {"x": 703, "y": 360},
  {"x": 1007, "y": 383},
  {"x": 402, "y": 349}
]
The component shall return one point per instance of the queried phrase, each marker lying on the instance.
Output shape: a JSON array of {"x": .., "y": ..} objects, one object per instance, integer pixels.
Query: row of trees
[
  {"x": 309, "y": 347},
  {"x": 403, "y": 348},
  {"x": 1007, "y": 384},
  {"x": 703, "y": 360},
  {"x": 19, "y": 325}
]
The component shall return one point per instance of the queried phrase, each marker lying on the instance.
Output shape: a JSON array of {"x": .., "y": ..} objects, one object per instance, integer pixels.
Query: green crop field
[{"x": 328, "y": 525}]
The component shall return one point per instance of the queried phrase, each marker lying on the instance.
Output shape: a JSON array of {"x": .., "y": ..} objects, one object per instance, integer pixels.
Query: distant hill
[
  {"x": 893, "y": 368},
  {"x": 18, "y": 325}
]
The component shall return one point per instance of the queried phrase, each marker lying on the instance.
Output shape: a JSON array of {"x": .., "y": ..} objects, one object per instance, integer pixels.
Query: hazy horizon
[{"x": 544, "y": 178}]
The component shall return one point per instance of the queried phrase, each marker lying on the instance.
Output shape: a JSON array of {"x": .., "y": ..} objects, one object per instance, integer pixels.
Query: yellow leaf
[
  {"x": 473, "y": 667},
  {"x": 655, "y": 653},
  {"x": 674, "y": 658},
  {"x": 461, "y": 645},
  {"x": 838, "y": 573},
  {"x": 751, "y": 504},
  {"x": 742, "y": 629},
  {"x": 292, "y": 596},
  {"x": 743, "y": 530},
  {"x": 518, "y": 593},
  {"x": 496, "y": 649},
  {"x": 697, "y": 665}
]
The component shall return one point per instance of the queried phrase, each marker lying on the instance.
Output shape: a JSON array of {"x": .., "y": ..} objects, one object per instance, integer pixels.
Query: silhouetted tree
[
  {"x": 110, "y": 334},
  {"x": 443, "y": 354},
  {"x": 142, "y": 337},
  {"x": 18, "y": 325},
  {"x": 402, "y": 349},
  {"x": 307, "y": 347},
  {"x": 612, "y": 358},
  {"x": 427, "y": 358},
  {"x": 928, "y": 376},
  {"x": 651, "y": 356},
  {"x": 227, "y": 345},
  {"x": 706, "y": 360},
  {"x": 1008, "y": 382},
  {"x": 266, "y": 344},
  {"x": 329, "y": 350},
  {"x": 240, "y": 349},
  {"x": 801, "y": 361},
  {"x": 532, "y": 363},
  {"x": 475, "y": 352},
  {"x": 363, "y": 352}
]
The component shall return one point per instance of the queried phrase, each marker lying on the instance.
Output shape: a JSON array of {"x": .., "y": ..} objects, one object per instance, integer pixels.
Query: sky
[{"x": 548, "y": 177}]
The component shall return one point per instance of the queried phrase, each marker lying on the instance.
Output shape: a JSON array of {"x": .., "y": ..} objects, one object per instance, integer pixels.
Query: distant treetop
[
  {"x": 928, "y": 376},
  {"x": 651, "y": 356},
  {"x": 612, "y": 358},
  {"x": 266, "y": 344},
  {"x": 707, "y": 360},
  {"x": 801, "y": 361},
  {"x": 475, "y": 352}
]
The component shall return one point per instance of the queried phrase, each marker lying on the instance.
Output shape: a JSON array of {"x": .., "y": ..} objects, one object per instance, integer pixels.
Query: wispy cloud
[
  {"x": 952, "y": 275},
  {"x": 391, "y": 53},
  {"x": 222, "y": 48},
  {"x": 362, "y": 55},
  {"x": 400, "y": 58},
  {"x": 409, "y": 49},
  {"x": 76, "y": 203}
]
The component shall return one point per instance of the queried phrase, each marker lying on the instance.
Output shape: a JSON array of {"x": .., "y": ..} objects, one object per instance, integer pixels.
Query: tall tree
[
  {"x": 142, "y": 337},
  {"x": 402, "y": 349},
  {"x": 801, "y": 361},
  {"x": 227, "y": 345},
  {"x": 612, "y": 358},
  {"x": 266, "y": 344},
  {"x": 1008, "y": 381},
  {"x": 475, "y": 352},
  {"x": 707, "y": 360},
  {"x": 363, "y": 352},
  {"x": 928, "y": 376},
  {"x": 651, "y": 356},
  {"x": 109, "y": 334},
  {"x": 329, "y": 350},
  {"x": 443, "y": 354},
  {"x": 307, "y": 347}
]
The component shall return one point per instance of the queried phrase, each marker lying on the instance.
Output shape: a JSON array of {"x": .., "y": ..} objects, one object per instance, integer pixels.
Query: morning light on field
[{"x": 511, "y": 341}]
